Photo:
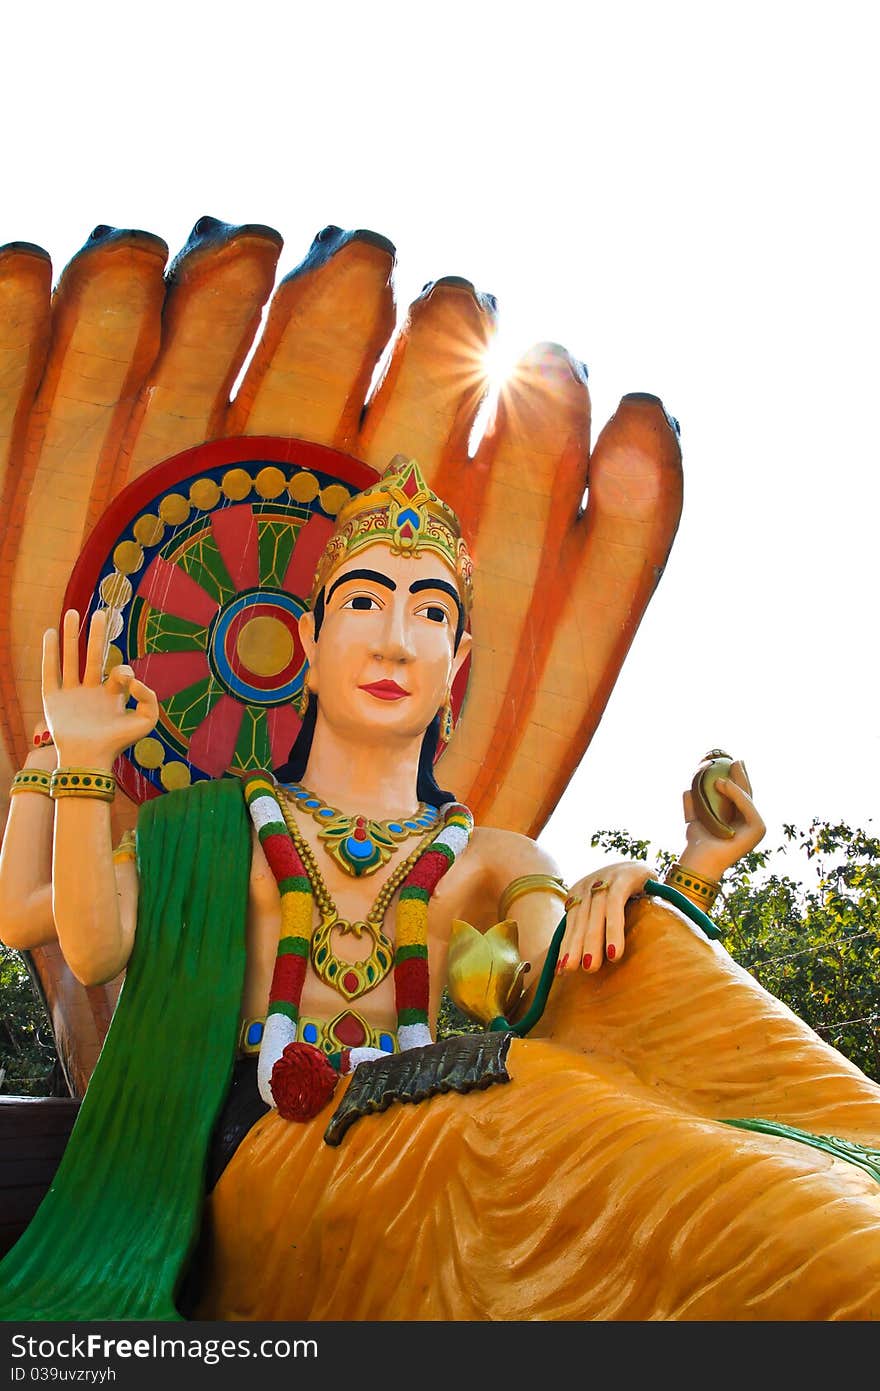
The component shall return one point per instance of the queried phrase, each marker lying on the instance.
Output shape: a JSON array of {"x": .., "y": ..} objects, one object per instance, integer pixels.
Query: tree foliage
[
  {"x": 28, "y": 1059},
  {"x": 812, "y": 938}
]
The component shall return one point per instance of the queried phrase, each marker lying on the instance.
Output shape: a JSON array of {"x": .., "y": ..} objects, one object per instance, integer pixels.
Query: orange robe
[{"x": 597, "y": 1184}]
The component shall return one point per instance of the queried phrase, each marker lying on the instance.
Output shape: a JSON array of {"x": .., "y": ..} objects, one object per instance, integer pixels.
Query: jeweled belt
[{"x": 347, "y": 1030}]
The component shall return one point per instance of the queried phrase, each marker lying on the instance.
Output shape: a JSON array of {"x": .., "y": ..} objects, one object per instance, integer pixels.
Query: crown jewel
[{"x": 401, "y": 511}]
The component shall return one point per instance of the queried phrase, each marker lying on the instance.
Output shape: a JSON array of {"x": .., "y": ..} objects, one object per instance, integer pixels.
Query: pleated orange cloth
[{"x": 597, "y": 1184}]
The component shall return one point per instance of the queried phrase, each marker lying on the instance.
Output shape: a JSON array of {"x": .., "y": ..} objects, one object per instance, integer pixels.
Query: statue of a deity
[
  {"x": 321, "y": 920},
  {"x": 635, "y": 1129}
]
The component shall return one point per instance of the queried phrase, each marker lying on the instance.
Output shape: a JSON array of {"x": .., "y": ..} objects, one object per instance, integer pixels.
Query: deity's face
[{"x": 384, "y": 658}]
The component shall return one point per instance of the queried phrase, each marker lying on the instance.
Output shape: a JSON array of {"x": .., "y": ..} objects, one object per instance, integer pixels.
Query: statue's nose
[{"x": 396, "y": 637}]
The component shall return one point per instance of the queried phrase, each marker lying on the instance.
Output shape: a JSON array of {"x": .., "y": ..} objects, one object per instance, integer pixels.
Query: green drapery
[{"x": 113, "y": 1233}]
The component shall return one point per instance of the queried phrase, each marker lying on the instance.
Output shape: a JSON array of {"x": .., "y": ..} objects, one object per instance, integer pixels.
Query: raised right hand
[{"x": 88, "y": 718}]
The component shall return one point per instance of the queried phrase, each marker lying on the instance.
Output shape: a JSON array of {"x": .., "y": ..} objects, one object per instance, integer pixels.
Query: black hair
[{"x": 427, "y": 789}]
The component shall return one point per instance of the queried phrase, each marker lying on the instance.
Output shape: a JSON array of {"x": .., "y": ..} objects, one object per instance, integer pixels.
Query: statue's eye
[
  {"x": 363, "y": 602},
  {"x": 435, "y": 613}
]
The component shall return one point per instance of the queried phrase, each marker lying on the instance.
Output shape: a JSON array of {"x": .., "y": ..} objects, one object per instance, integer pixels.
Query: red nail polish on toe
[
  {"x": 564, "y": 962},
  {"x": 587, "y": 961},
  {"x": 611, "y": 952}
]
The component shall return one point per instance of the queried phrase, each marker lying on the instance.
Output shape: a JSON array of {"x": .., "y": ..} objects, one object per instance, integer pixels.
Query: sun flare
[{"x": 499, "y": 361}]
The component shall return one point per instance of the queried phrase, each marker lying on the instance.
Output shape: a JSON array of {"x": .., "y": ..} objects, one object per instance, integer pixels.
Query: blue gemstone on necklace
[
  {"x": 411, "y": 825},
  {"x": 395, "y": 827},
  {"x": 359, "y": 849},
  {"x": 311, "y": 803},
  {"x": 325, "y": 811}
]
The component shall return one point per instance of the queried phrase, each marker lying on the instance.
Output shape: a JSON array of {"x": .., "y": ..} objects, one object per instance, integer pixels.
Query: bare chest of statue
[{"x": 353, "y": 898}]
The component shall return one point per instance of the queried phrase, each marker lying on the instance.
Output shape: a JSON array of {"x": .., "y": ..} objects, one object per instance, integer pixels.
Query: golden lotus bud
[{"x": 485, "y": 970}]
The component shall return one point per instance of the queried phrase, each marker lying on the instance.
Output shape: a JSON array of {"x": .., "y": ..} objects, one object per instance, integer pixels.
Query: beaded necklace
[
  {"x": 360, "y": 844},
  {"x": 350, "y": 978},
  {"x": 411, "y": 978}
]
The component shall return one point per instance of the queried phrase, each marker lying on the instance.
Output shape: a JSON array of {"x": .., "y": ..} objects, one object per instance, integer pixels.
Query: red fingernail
[
  {"x": 611, "y": 952},
  {"x": 37, "y": 740},
  {"x": 564, "y": 962},
  {"x": 588, "y": 961}
]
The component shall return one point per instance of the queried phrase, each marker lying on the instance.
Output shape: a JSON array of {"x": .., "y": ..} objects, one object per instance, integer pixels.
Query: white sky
[{"x": 682, "y": 194}]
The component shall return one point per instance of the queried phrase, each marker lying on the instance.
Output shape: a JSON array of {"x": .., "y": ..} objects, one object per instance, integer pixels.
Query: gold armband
[
  {"x": 527, "y": 884},
  {"x": 82, "y": 782},
  {"x": 701, "y": 891},
  {"x": 31, "y": 780},
  {"x": 126, "y": 849}
]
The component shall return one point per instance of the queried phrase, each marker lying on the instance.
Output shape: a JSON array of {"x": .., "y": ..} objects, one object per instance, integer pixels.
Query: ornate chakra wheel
[{"x": 206, "y": 565}]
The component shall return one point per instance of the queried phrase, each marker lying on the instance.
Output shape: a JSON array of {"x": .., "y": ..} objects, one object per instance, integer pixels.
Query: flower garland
[{"x": 280, "y": 1054}]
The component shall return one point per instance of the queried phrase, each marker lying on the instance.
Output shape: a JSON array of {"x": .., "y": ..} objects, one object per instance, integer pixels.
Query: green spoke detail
[
  {"x": 131, "y": 633},
  {"x": 276, "y": 542},
  {"x": 163, "y": 632},
  {"x": 252, "y": 748},
  {"x": 203, "y": 562},
  {"x": 186, "y": 709}
]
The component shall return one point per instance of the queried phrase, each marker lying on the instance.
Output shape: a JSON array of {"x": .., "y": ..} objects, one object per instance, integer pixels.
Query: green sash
[{"x": 113, "y": 1233}]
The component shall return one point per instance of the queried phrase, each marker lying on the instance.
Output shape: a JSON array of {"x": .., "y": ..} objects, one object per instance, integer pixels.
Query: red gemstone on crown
[
  {"x": 409, "y": 485},
  {"x": 349, "y": 1029}
]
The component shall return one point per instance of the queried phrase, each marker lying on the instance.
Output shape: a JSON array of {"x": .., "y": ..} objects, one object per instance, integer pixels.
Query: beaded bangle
[
  {"x": 31, "y": 780},
  {"x": 701, "y": 891},
  {"x": 82, "y": 782},
  {"x": 526, "y": 884}
]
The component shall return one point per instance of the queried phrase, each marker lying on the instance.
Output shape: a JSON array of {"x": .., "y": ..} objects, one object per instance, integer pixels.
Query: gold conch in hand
[
  {"x": 485, "y": 971},
  {"x": 717, "y": 812}
]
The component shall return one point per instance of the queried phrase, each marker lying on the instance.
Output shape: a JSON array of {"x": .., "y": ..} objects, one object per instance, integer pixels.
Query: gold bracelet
[
  {"x": 126, "y": 849},
  {"x": 31, "y": 780},
  {"x": 701, "y": 891},
  {"x": 82, "y": 782},
  {"x": 526, "y": 884}
]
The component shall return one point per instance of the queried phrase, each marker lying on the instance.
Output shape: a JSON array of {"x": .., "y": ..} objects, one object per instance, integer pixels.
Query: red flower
[{"x": 302, "y": 1082}]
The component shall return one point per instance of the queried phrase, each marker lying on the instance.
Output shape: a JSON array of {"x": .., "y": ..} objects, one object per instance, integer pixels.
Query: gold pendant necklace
[
  {"x": 360, "y": 845},
  {"x": 350, "y": 978}
]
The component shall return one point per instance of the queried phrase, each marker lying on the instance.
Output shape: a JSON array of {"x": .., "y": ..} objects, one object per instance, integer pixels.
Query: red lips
[{"x": 385, "y": 690}]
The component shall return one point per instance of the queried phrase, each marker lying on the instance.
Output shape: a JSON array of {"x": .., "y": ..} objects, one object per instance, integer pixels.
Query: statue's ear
[
  {"x": 307, "y": 637},
  {"x": 462, "y": 652}
]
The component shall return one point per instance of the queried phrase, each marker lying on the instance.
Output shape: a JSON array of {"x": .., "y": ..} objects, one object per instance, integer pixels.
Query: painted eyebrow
[
  {"x": 418, "y": 585},
  {"x": 373, "y": 575}
]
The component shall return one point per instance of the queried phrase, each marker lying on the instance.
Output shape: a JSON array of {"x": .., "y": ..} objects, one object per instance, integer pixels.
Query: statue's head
[
  {"x": 400, "y": 512},
  {"x": 386, "y": 632}
]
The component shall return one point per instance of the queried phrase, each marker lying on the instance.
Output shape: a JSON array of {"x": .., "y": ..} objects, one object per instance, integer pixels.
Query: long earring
[
  {"x": 301, "y": 700},
  {"x": 447, "y": 723}
]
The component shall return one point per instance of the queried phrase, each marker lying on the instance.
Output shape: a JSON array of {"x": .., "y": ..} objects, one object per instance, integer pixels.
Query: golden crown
[{"x": 402, "y": 512}]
